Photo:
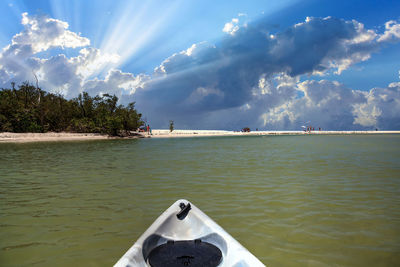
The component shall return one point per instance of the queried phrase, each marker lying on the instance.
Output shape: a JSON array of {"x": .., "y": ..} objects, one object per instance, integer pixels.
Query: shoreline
[
  {"x": 207, "y": 133},
  {"x": 8, "y": 137}
]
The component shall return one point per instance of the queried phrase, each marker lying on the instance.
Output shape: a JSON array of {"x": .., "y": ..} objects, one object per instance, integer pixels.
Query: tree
[
  {"x": 22, "y": 111},
  {"x": 171, "y": 126}
]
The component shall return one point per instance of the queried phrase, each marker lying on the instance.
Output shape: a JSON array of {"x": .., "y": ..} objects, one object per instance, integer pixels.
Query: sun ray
[
  {"x": 196, "y": 68},
  {"x": 132, "y": 31}
]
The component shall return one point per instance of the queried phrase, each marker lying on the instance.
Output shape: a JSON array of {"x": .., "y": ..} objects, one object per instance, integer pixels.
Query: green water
[{"x": 291, "y": 200}]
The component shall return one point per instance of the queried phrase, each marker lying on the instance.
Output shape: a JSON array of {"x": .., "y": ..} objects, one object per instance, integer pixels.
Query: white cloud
[
  {"x": 43, "y": 33},
  {"x": 116, "y": 82},
  {"x": 331, "y": 105},
  {"x": 91, "y": 60},
  {"x": 40, "y": 34},
  {"x": 68, "y": 75},
  {"x": 366, "y": 115},
  {"x": 392, "y": 32},
  {"x": 381, "y": 108},
  {"x": 231, "y": 27},
  {"x": 278, "y": 116}
]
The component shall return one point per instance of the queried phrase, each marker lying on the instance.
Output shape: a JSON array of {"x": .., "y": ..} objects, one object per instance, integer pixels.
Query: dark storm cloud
[{"x": 208, "y": 78}]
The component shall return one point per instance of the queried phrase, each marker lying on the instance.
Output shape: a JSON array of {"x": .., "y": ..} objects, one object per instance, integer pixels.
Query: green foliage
[{"x": 29, "y": 109}]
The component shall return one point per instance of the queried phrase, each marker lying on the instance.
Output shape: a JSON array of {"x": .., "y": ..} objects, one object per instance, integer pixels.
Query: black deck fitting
[{"x": 184, "y": 210}]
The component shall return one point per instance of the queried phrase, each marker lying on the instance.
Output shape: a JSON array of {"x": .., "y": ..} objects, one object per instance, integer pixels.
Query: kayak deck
[{"x": 184, "y": 236}]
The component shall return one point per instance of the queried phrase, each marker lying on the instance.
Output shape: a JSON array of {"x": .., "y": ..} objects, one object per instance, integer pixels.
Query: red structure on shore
[{"x": 310, "y": 128}]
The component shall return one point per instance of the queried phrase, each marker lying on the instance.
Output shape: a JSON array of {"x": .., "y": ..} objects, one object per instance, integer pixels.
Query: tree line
[{"x": 30, "y": 109}]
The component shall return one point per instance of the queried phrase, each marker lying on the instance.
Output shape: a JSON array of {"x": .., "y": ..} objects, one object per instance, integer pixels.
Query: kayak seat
[{"x": 193, "y": 253}]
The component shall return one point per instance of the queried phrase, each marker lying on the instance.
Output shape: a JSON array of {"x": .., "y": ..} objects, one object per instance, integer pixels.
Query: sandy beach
[
  {"x": 7, "y": 137},
  {"x": 200, "y": 133}
]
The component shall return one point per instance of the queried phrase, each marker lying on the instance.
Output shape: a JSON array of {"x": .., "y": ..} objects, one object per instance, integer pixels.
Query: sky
[{"x": 267, "y": 65}]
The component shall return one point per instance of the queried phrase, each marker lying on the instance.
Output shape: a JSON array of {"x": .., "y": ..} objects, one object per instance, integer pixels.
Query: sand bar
[{"x": 202, "y": 133}]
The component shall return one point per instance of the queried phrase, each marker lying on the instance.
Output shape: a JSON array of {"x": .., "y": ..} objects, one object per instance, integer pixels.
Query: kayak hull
[{"x": 195, "y": 225}]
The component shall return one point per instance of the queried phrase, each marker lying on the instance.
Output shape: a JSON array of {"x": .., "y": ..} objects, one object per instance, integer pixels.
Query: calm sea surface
[{"x": 291, "y": 200}]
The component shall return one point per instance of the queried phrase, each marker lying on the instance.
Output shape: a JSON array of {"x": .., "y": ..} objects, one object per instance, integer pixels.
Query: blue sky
[
  {"x": 173, "y": 25},
  {"x": 215, "y": 64}
]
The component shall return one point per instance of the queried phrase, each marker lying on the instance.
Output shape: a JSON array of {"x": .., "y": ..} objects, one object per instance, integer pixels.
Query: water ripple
[{"x": 291, "y": 200}]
